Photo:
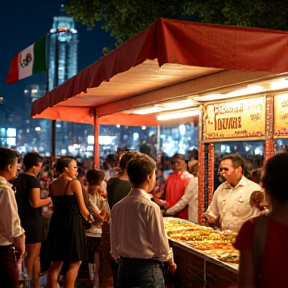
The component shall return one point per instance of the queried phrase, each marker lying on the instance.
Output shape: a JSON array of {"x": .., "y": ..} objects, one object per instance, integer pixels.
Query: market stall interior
[{"x": 232, "y": 81}]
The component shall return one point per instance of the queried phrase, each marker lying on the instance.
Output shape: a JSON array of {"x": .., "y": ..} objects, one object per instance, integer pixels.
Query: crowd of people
[{"x": 137, "y": 191}]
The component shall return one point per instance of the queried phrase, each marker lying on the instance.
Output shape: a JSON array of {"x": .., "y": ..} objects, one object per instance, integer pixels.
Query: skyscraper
[{"x": 62, "y": 50}]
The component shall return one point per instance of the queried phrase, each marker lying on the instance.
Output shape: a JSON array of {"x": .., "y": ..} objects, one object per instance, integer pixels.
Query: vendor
[{"x": 231, "y": 201}]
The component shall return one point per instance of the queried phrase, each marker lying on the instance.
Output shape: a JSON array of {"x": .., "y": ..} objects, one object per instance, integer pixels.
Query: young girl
[{"x": 95, "y": 203}]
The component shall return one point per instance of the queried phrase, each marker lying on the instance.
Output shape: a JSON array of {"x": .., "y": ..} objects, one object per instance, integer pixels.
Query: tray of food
[{"x": 205, "y": 240}]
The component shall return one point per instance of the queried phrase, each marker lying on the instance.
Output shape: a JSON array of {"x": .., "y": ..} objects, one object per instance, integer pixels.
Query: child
[{"x": 95, "y": 201}]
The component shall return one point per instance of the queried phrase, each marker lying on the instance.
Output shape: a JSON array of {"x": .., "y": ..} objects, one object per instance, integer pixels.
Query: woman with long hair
[
  {"x": 66, "y": 239},
  {"x": 30, "y": 211}
]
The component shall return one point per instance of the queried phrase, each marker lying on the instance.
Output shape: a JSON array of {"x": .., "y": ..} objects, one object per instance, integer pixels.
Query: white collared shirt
[
  {"x": 137, "y": 229},
  {"x": 232, "y": 204},
  {"x": 10, "y": 227}
]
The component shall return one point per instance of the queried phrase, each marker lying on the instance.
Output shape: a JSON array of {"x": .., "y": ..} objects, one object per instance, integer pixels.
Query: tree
[{"x": 125, "y": 18}]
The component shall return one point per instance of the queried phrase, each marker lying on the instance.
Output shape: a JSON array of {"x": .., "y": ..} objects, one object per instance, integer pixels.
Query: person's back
[
  {"x": 138, "y": 238},
  {"x": 273, "y": 265},
  {"x": 117, "y": 189}
]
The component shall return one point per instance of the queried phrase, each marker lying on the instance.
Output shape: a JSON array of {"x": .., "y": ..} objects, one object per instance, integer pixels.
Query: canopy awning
[{"x": 168, "y": 59}]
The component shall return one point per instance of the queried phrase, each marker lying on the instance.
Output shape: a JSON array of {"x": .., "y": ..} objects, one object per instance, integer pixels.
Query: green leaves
[{"x": 125, "y": 18}]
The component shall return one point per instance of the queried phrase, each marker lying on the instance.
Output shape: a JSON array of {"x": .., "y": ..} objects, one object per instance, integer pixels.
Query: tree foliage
[{"x": 125, "y": 18}]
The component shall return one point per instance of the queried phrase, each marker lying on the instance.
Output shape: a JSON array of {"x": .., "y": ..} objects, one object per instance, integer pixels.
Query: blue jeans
[{"x": 140, "y": 274}]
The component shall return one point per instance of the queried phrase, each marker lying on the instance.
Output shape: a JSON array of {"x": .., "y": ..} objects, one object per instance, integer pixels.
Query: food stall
[
  {"x": 173, "y": 61},
  {"x": 232, "y": 126},
  {"x": 204, "y": 257}
]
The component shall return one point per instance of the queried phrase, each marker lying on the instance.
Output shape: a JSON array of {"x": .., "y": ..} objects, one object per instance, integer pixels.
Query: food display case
[{"x": 204, "y": 257}]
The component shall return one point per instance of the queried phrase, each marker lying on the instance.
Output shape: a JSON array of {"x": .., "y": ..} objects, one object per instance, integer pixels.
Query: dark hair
[
  {"x": 94, "y": 176},
  {"x": 179, "y": 155},
  {"x": 62, "y": 163},
  {"x": 255, "y": 175},
  {"x": 274, "y": 179},
  {"x": 126, "y": 157},
  {"x": 237, "y": 160},
  {"x": 81, "y": 171},
  {"x": 7, "y": 156},
  {"x": 32, "y": 159},
  {"x": 140, "y": 167}
]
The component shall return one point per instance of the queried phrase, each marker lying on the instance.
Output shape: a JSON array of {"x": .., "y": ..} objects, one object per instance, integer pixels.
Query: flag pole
[{"x": 53, "y": 122}]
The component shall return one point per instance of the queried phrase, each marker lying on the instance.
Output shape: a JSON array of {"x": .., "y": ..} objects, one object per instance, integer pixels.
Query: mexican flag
[{"x": 31, "y": 60}]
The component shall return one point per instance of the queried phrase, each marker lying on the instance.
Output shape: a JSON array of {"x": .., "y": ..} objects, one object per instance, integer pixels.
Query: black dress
[
  {"x": 31, "y": 218},
  {"x": 66, "y": 239}
]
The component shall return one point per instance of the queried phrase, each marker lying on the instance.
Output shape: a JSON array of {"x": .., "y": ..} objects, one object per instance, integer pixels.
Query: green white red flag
[{"x": 31, "y": 60}]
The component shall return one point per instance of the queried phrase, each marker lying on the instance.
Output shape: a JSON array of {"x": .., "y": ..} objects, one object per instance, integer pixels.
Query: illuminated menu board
[
  {"x": 281, "y": 115},
  {"x": 236, "y": 119}
]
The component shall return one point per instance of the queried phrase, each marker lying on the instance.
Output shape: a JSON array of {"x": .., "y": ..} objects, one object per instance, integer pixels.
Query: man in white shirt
[
  {"x": 231, "y": 200},
  {"x": 12, "y": 238},
  {"x": 138, "y": 238}
]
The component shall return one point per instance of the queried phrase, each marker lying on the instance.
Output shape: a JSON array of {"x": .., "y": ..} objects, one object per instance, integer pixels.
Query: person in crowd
[
  {"x": 66, "y": 240},
  {"x": 117, "y": 189},
  {"x": 28, "y": 197},
  {"x": 231, "y": 200},
  {"x": 255, "y": 175},
  {"x": 110, "y": 167},
  {"x": 271, "y": 270},
  {"x": 94, "y": 178},
  {"x": 193, "y": 159},
  {"x": 81, "y": 176},
  {"x": 141, "y": 245},
  {"x": 12, "y": 237},
  {"x": 176, "y": 185},
  {"x": 189, "y": 198}
]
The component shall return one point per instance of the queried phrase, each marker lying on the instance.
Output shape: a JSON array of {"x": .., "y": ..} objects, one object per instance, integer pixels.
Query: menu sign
[
  {"x": 237, "y": 119},
  {"x": 281, "y": 114}
]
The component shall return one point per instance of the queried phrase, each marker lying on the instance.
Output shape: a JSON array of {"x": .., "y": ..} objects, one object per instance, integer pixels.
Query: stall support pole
[
  {"x": 201, "y": 180},
  {"x": 201, "y": 176},
  {"x": 211, "y": 164},
  {"x": 269, "y": 141},
  {"x": 96, "y": 139}
]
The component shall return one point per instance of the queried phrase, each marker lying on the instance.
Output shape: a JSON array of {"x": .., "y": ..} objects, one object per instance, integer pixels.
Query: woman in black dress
[
  {"x": 66, "y": 239},
  {"x": 29, "y": 207}
]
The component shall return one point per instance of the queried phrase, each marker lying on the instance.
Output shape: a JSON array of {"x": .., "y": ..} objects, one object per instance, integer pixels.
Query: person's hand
[
  {"x": 170, "y": 213},
  {"x": 172, "y": 267},
  {"x": 208, "y": 218},
  {"x": 157, "y": 193},
  {"x": 19, "y": 244}
]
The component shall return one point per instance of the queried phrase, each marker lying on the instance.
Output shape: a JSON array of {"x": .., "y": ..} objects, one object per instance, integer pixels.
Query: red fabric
[
  {"x": 175, "y": 188},
  {"x": 182, "y": 42},
  {"x": 13, "y": 74},
  {"x": 274, "y": 263}
]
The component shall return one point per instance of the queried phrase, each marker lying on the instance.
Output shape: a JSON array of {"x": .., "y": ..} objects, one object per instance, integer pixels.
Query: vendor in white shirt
[{"x": 231, "y": 200}]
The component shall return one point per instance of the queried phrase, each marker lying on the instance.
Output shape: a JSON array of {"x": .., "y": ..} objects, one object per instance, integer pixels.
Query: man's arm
[
  {"x": 212, "y": 211},
  {"x": 159, "y": 240},
  {"x": 190, "y": 191}
]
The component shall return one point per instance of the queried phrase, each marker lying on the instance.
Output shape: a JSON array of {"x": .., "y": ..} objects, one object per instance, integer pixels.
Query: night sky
[{"x": 25, "y": 21}]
